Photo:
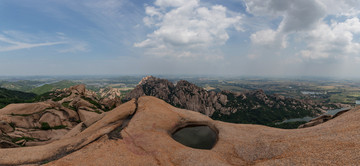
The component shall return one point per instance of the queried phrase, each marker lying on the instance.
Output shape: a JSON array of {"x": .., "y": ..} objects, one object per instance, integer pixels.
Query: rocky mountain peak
[
  {"x": 226, "y": 105},
  {"x": 109, "y": 92},
  {"x": 152, "y": 86},
  {"x": 80, "y": 89},
  {"x": 148, "y": 79},
  {"x": 185, "y": 85}
]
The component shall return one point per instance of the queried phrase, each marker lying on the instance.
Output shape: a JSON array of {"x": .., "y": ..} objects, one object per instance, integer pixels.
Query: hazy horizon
[
  {"x": 173, "y": 76},
  {"x": 260, "y": 38}
]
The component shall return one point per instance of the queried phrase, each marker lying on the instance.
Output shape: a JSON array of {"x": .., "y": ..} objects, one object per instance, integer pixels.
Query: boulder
[
  {"x": 79, "y": 102},
  {"x": 86, "y": 115},
  {"x": 51, "y": 119},
  {"x": 78, "y": 89},
  {"x": 7, "y": 144},
  {"x": 5, "y": 127},
  {"x": 24, "y": 108},
  {"x": 24, "y": 121}
]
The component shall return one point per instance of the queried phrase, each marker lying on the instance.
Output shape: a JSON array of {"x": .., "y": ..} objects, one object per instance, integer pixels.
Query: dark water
[
  {"x": 328, "y": 112},
  {"x": 335, "y": 111},
  {"x": 307, "y": 118},
  {"x": 199, "y": 137}
]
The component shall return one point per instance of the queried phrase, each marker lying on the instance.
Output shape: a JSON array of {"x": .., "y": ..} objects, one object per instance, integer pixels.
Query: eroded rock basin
[{"x": 198, "y": 137}]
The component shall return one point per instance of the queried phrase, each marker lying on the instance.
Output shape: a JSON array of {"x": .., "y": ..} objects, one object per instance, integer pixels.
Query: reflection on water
[
  {"x": 335, "y": 111},
  {"x": 329, "y": 112},
  {"x": 307, "y": 118}
]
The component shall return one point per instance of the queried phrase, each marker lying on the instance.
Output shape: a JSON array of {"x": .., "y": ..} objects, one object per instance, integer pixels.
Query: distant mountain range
[
  {"x": 37, "y": 87},
  {"x": 47, "y": 91},
  {"x": 53, "y": 86},
  {"x": 66, "y": 126},
  {"x": 254, "y": 107}
]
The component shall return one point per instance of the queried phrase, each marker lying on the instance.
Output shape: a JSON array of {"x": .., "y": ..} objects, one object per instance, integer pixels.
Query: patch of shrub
[{"x": 45, "y": 126}]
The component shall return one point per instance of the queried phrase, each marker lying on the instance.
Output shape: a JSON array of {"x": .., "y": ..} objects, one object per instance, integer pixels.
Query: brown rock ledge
[{"x": 146, "y": 140}]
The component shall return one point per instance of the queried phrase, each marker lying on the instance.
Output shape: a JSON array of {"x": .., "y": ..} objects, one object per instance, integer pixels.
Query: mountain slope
[
  {"x": 12, "y": 96},
  {"x": 254, "y": 107},
  {"x": 20, "y": 85},
  {"x": 53, "y": 86}
]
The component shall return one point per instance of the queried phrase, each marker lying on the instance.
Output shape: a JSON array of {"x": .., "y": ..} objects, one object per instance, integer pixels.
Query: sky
[{"x": 170, "y": 37}]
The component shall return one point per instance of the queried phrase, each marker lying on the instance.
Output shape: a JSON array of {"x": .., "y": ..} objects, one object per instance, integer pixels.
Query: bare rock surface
[
  {"x": 86, "y": 115},
  {"x": 57, "y": 149},
  {"x": 24, "y": 108},
  {"x": 147, "y": 140},
  {"x": 110, "y": 92},
  {"x": 145, "y": 130},
  {"x": 31, "y": 124},
  {"x": 5, "y": 127},
  {"x": 51, "y": 119}
]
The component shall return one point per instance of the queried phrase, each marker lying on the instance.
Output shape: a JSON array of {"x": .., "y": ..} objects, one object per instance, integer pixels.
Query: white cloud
[
  {"x": 296, "y": 15},
  {"x": 269, "y": 38},
  {"x": 305, "y": 20},
  {"x": 16, "y": 40},
  {"x": 175, "y": 3},
  {"x": 348, "y": 8},
  {"x": 357, "y": 60},
  {"x": 333, "y": 40},
  {"x": 301, "y": 16},
  {"x": 185, "y": 28},
  {"x": 75, "y": 47},
  {"x": 9, "y": 44}
]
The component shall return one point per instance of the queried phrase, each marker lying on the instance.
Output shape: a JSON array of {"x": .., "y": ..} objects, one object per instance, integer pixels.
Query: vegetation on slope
[
  {"x": 259, "y": 112},
  {"x": 51, "y": 87},
  {"x": 12, "y": 96},
  {"x": 21, "y": 85}
]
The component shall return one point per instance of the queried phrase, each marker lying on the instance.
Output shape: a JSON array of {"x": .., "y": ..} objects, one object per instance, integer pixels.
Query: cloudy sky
[{"x": 232, "y": 37}]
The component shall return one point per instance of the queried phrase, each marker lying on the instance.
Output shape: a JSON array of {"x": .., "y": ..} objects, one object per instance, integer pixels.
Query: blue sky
[{"x": 232, "y": 37}]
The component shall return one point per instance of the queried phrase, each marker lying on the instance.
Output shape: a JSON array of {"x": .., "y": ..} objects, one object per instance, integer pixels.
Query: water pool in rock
[{"x": 199, "y": 137}]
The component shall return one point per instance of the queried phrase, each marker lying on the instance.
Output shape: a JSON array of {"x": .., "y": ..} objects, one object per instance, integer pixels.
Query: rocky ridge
[
  {"x": 247, "y": 107},
  {"x": 139, "y": 133},
  {"x": 43, "y": 122},
  {"x": 109, "y": 92}
]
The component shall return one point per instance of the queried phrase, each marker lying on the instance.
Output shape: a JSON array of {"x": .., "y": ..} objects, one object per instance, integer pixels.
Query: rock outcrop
[
  {"x": 31, "y": 124},
  {"x": 140, "y": 133},
  {"x": 109, "y": 92}
]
